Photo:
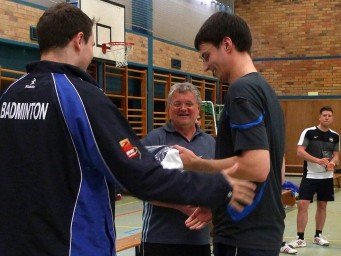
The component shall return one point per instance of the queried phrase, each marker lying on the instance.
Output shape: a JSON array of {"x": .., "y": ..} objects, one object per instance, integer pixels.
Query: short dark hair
[
  {"x": 223, "y": 24},
  {"x": 326, "y": 108},
  {"x": 59, "y": 24}
]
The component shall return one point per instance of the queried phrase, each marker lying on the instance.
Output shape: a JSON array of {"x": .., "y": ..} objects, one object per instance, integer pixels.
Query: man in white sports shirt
[{"x": 319, "y": 146}]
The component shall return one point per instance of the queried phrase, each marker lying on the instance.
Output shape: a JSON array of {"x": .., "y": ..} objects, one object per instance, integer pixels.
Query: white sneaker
[
  {"x": 288, "y": 249},
  {"x": 320, "y": 240},
  {"x": 298, "y": 243}
]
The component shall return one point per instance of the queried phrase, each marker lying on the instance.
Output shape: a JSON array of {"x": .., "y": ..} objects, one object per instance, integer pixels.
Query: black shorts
[
  {"x": 324, "y": 188},
  {"x": 220, "y": 249}
]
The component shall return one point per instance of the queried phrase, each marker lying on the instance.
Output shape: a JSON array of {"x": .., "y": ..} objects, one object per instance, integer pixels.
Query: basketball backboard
[{"x": 109, "y": 25}]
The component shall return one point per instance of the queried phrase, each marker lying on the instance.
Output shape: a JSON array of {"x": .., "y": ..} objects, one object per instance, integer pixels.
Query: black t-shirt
[{"x": 252, "y": 119}]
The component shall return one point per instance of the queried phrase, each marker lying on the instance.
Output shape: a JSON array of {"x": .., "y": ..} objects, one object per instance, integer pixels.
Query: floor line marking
[
  {"x": 127, "y": 213},
  {"x": 121, "y": 226},
  {"x": 132, "y": 231},
  {"x": 123, "y": 204}
]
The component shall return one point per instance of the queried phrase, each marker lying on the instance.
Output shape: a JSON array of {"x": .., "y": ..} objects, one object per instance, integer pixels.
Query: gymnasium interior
[{"x": 143, "y": 47}]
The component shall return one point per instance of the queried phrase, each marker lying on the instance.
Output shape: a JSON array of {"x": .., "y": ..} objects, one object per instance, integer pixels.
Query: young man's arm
[
  {"x": 307, "y": 157},
  {"x": 253, "y": 165}
]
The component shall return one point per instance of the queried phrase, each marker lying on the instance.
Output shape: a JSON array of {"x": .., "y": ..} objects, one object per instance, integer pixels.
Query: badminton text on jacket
[{"x": 24, "y": 111}]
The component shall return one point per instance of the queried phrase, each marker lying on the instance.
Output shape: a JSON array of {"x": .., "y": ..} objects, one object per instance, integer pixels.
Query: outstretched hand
[
  {"x": 199, "y": 219},
  {"x": 187, "y": 156}
]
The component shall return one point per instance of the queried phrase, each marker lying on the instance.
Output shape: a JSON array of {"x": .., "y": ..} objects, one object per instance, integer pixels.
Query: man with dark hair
[
  {"x": 319, "y": 146},
  {"x": 63, "y": 141},
  {"x": 251, "y": 133}
]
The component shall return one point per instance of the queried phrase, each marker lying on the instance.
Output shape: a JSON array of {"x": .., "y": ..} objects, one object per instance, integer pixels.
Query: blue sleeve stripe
[
  {"x": 92, "y": 230},
  {"x": 258, "y": 121},
  {"x": 237, "y": 216}
]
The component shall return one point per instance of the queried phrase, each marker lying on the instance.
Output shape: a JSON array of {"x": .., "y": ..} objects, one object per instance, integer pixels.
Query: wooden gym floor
[{"x": 129, "y": 221}]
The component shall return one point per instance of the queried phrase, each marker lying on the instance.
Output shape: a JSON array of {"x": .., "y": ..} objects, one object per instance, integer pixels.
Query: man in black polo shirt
[{"x": 250, "y": 133}]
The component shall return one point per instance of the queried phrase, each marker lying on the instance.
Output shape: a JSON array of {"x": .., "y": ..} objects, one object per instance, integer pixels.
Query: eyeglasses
[{"x": 179, "y": 104}]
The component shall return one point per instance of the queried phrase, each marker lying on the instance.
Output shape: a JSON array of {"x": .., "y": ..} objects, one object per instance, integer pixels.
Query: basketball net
[{"x": 119, "y": 51}]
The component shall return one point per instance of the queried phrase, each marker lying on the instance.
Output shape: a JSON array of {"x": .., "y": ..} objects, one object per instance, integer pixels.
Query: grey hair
[{"x": 182, "y": 88}]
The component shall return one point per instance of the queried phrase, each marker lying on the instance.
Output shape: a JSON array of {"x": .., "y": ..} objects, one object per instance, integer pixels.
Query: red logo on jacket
[{"x": 130, "y": 150}]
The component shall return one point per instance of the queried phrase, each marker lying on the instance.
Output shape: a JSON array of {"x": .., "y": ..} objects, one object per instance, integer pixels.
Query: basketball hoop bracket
[{"x": 119, "y": 51}]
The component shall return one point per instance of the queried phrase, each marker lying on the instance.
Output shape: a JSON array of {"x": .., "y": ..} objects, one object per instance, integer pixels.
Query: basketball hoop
[{"x": 119, "y": 50}]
